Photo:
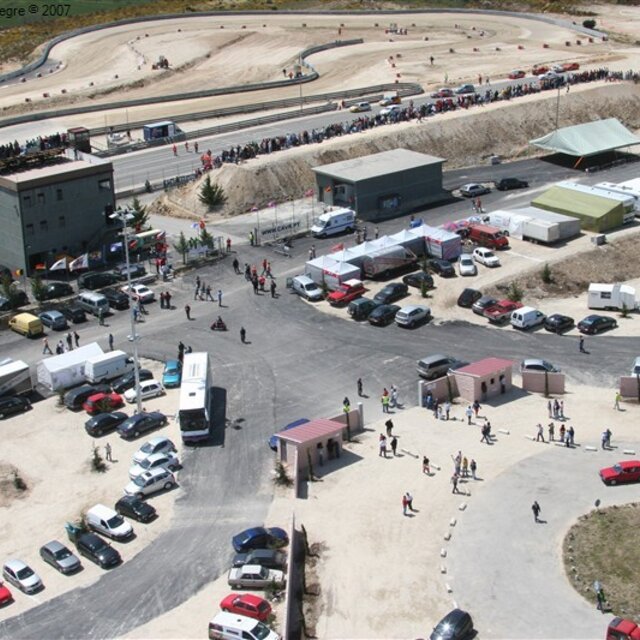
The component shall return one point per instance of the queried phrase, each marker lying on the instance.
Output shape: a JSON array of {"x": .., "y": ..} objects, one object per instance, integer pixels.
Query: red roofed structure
[{"x": 483, "y": 379}]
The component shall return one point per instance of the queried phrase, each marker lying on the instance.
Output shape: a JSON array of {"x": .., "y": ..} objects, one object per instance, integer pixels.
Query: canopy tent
[
  {"x": 410, "y": 241},
  {"x": 331, "y": 272},
  {"x": 439, "y": 243},
  {"x": 588, "y": 139}
]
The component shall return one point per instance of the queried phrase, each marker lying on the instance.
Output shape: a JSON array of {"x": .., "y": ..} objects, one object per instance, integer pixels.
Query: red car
[
  {"x": 247, "y": 604},
  {"x": 621, "y": 473},
  {"x": 536, "y": 71},
  {"x": 102, "y": 403},
  {"x": 517, "y": 73},
  {"x": 348, "y": 291},
  {"x": 501, "y": 311},
  {"x": 5, "y": 595},
  {"x": 570, "y": 66},
  {"x": 444, "y": 92},
  {"x": 621, "y": 629}
]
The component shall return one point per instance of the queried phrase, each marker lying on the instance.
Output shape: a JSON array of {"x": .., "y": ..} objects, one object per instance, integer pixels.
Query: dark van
[{"x": 95, "y": 280}]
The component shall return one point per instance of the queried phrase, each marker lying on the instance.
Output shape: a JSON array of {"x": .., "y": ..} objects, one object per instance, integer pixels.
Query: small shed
[
  {"x": 314, "y": 442},
  {"x": 438, "y": 242},
  {"x": 332, "y": 272},
  {"x": 484, "y": 379}
]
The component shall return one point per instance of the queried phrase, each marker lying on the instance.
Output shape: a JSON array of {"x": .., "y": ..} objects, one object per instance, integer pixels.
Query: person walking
[
  {"x": 111, "y": 342},
  {"x": 540, "y": 436},
  {"x": 405, "y": 504},
  {"x": 376, "y": 232},
  {"x": 535, "y": 507},
  {"x": 570, "y": 436},
  {"x": 454, "y": 482},
  {"x": 476, "y": 407},
  {"x": 393, "y": 398},
  {"x": 469, "y": 414},
  {"x": 167, "y": 298},
  {"x": 581, "y": 344},
  {"x": 389, "y": 427},
  {"x": 101, "y": 317},
  {"x": 236, "y": 266},
  {"x": 447, "y": 410},
  {"x": 228, "y": 245},
  {"x": 219, "y": 297},
  {"x": 485, "y": 434},
  {"x": 76, "y": 339},
  {"x": 243, "y": 335},
  {"x": 394, "y": 445},
  {"x": 382, "y": 445},
  {"x": 162, "y": 300},
  {"x": 473, "y": 465},
  {"x": 409, "y": 501},
  {"x": 616, "y": 402},
  {"x": 45, "y": 347},
  {"x": 550, "y": 409},
  {"x": 187, "y": 310},
  {"x": 69, "y": 340},
  {"x": 359, "y": 385},
  {"x": 385, "y": 403},
  {"x": 465, "y": 467},
  {"x": 562, "y": 433},
  {"x": 272, "y": 288},
  {"x": 425, "y": 465},
  {"x": 107, "y": 452},
  {"x": 552, "y": 431}
]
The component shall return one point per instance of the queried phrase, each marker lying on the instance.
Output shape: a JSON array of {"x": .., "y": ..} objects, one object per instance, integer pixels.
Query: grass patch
[{"x": 603, "y": 545}]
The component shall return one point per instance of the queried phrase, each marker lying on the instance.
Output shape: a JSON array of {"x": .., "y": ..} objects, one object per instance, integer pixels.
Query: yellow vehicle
[{"x": 26, "y": 324}]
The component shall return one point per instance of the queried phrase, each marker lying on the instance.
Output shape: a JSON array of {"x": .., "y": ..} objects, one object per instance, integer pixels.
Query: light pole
[{"x": 124, "y": 215}]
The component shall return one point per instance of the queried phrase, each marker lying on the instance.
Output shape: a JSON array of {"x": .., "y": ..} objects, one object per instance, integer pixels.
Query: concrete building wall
[
  {"x": 482, "y": 388},
  {"x": 535, "y": 381},
  {"x": 630, "y": 387},
  {"x": 12, "y": 243}
]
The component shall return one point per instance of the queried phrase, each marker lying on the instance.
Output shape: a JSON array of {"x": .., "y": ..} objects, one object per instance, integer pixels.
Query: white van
[
  {"x": 93, "y": 302},
  {"x": 304, "y": 286},
  {"x": 230, "y": 626},
  {"x": 108, "y": 522},
  {"x": 332, "y": 222},
  {"x": 107, "y": 366},
  {"x": 526, "y": 318}
]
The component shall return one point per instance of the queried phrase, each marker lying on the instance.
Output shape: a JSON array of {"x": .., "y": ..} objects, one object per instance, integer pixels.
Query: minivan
[
  {"x": 231, "y": 626},
  {"x": 527, "y": 318},
  {"x": 95, "y": 280},
  {"x": 332, "y": 222},
  {"x": 26, "y": 324},
  {"x": 361, "y": 308},
  {"x": 93, "y": 302},
  {"x": 436, "y": 366},
  {"x": 108, "y": 522},
  {"x": 304, "y": 286},
  {"x": 487, "y": 236}
]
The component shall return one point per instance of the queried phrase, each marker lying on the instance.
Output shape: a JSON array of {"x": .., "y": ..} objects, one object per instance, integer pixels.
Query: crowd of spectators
[{"x": 41, "y": 143}]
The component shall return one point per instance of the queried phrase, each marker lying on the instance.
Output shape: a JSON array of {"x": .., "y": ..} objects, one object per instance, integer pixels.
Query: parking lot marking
[{"x": 521, "y": 255}]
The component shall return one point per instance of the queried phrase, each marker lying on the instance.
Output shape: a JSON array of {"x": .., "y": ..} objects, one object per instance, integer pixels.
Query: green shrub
[{"x": 514, "y": 292}]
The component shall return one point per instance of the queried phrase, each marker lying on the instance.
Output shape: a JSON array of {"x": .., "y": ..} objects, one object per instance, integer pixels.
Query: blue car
[
  {"x": 172, "y": 374},
  {"x": 273, "y": 440},
  {"x": 259, "y": 538}
]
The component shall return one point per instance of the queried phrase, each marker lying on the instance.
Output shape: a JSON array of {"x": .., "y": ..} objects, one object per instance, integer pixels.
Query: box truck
[
  {"x": 15, "y": 378},
  {"x": 107, "y": 366}
]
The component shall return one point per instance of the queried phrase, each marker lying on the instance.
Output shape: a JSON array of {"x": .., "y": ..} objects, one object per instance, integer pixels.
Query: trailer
[
  {"x": 564, "y": 227},
  {"x": 160, "y": 130},
  {"x": 626, "y": 201},
  {"x": 67, "y": 369},
  {"x": 382, "y": 262},
  {"x": 631, "y": 189},
  {"x": 15, "y": 378},
  {"x": 611, "y": 296}
]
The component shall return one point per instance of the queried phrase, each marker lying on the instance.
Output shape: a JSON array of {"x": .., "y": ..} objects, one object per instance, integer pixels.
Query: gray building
[
  {"x": 53, "y": 210},
  {"x": 382, "y": 185}
]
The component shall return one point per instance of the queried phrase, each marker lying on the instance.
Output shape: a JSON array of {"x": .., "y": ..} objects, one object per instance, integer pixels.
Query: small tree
[
  {"x": 212, "y": 195},
  {"x": 18, "y": 482},
  {"x": 205, "y": 239},
  {"x": 590, "y": 23},
  {"x": 624, "y": 312},
  {"x": 37, "y": 288},
  {"x": 97, "y": 461},
  {"x": 281, "y": 477},
  {"x": 545, "y": 274},
  {"x": 514, "y": 293},
  {"x": 182, "y": 246},
  {"x": 140, "y": 218}
]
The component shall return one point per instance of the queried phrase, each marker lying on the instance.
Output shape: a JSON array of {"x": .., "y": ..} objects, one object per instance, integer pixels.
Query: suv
[
  {"x": 117, "y": 299},
  {"x": 436, "y": 366},
  {"x": 361, "y": 308},
  {"x": 150, "y": 482},
  {"x": 413, "y": 314},
  {"x": 511, "y": 183},
  {"x": 95, "y": 280}
]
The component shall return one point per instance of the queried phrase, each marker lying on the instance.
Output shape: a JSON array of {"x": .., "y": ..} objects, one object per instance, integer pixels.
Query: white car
[
  {"x": 168, "y": 460},
  {"x": 466, "y": 265},
  {"x": 159, "y": 444},
  {"x": 411, "y": 315},
  {"x": 140, "y": 292},
  {"x": 549, "y": 75},
  {"x": 148, "y": 389},
  {"x": 392, "y": 108},
  {"x": 150, "y": 482},
  {"x": 486, "y": 257}
]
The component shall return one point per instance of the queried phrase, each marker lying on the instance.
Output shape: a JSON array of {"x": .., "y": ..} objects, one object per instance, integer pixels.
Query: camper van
[
  {"x": 333, "y": 222},
  {"x": 611, "y": 296}
]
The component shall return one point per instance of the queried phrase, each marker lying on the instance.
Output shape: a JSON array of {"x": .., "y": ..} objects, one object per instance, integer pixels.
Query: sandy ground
[{"x": 57, "y": 435}]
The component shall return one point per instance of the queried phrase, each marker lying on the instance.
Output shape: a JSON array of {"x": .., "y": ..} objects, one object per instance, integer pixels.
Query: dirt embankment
[{"x": 464, "y": 138}]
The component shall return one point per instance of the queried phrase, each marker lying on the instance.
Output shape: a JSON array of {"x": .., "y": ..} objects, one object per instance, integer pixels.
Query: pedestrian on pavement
[
  {"x": 346, "y": 406},
  {"x": 556, "y": 409},
  {"x": 405, "y": 504},
  {"x": 76, "y": 339},
  {"x": 535, "y": 507},
  {"x": 252, "y": 239},
  {"x": 45, "y": 347},
  {"x": 447, "y": 409},
  {"x": 540, "y": 436},
  {"x": 107, "y": 452},
  {"x": 581, "y": 345},
  {"x": 616, "y": 403},
  {"x": 313, "y": 251},
  {"x": 228, "y": 245},
  {"x": 469, "y": 413},
  {"x": 385, "y": 403},
  {"x": 207, "y": 293},
  {"x": 465, "y": 467},
  {"x": 376, "y": 232},
  {"x": 264, "y": 266},
  {"x": 562, "y": 433},
  {"x": 69, "y": 340},
  {"x": 473, "y": 465},
  {"x": 550, "y": 409},
  {"x": 136, "y": 314},
  {"x": 167, "y": 297},
  {"x": 272, "y": 288},
  {"x": 175, "y": 150},
  {"x": 219, "y": 297},
  {"x": 425, "y": 465},
  {"x": 552, "y": 431},
  {"x": 359, "y": 385},
  {"x": 236, "y": 265},
  {"x": 571, "y": 433},
  {"x": 394, "y": 445},
  {"x": 561, "y": 410},
  {"x": 410, "y": 501},
  {"x": 476, "y": 407},
  {"x": 101, "y": 317},
  {"x": 111, "y": 342},
  {"x": 59, "y": 347},
  {"x": 382, "y": 444},
  {"x": 187, "y": 310},
  {"x": 243, "y": 335},
  {"x": 269, "y": 274},
  {"x": 454, "y": 482},
  {"x": 389, "y": 426},
  {"x": 485, "y": 434},
  {"x": 393, "y": 398}
]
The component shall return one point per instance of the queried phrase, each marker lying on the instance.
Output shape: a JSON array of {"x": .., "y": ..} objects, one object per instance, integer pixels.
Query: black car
[
  {"x": 557, "y": 323},
  {"x": 13, "y": 404},
  {"x": 18, "y": 299},
  {"x": 270, "y": 558},
  {"x": 417, "y": 279},
  {"x": 128, "y": 380},
  {"x": 391, "y": 292},
  {"x": 468, "y": 297},
  {"x": 596, "y": 324},
  {"x": 56, "y": 290},
  {"x": 104, "y": 422},
  {"x": 133, "y": 507},
  {"x": 141, "y": 423},
  {"x": 97, "y": 550},
  {"x": 74, "y": 313},
  {"x": 456, "y": 625},
  {"x": 74, "y": 399},
  {"x": 95, "y": 280},
  {"x": 361, "y": 308},
  {"x": 441, "y": 267},
  {"x": 117, "y": 299},
  {"x": 511, "y": 183},
  {"x": 384, "y": 314}
]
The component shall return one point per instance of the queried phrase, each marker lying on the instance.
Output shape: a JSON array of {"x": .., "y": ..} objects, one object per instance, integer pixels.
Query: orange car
[{"x": 102, "y": 403}]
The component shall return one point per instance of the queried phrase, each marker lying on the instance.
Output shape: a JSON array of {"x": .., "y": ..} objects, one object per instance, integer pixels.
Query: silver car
[
  {"x": 411, "y": 315},
  {"x": 59, "y": 557},
  {"x": 253, "y": 576},
  {"x": 22, "y": 576},
  {"x": 158, "y": 444},
  {"x": 537, "y": 364},
  {"x": 167, "y": 460},
  {"x": 150, "y": 482}
]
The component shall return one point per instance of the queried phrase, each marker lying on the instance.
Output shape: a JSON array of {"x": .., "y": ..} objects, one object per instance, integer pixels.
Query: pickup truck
[
  {"x": 348, "y": 291},
  {"x": 621, "y": 629},
  {"x": 501, "y": 311}
]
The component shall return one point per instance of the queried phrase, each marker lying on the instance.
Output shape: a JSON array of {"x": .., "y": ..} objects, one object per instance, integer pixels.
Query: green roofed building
[{"x": 596, "y": 213}]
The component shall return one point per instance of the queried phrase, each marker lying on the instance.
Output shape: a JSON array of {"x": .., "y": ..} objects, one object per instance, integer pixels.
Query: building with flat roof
[
  {"x": 382, "y": 185},
  {"x": 58, "y": 208}
]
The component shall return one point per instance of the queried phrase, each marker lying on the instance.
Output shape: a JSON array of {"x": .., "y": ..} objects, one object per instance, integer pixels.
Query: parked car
[
  {"x": 549, "y": 76},
  {"x": 247, "y": 605},
  {"x": 148, "y": 389},
  {"x": 53, "y": 319},
  {"x": 539, "y": 69},
  {"x": 254, "y": 577},
  {"x": 361, "y": 308},
  {"x": 273, "y": 440},
  {"x": 136, "y": 270},
  {"x": 527, "y": 318},
  {"x": 346, "y": 292},
  {"x": 22, "y": 576},
  {"x": 172, "y": 374},
  {"x": 557, "y": 323},
  {"x": 151, "y": 482},
  {"x": 359, "y": 107},
  {"x": 74, "y": 313},
  {"x": 437, "y": 365},
  {"x": 391, "y": 292},
  {"x": 596, "y": 324},
  {"x": 456, "y": 625},
  {"x": 117, "y": 299},
  {"x": 55, "y": 290},
  {"x": 466, "y": 265},
  {"x": 158, "y": 444},
  {"x": 417, "y": 279},
  {"x": 443, "y": 92},
  {"x": 104, "y": 423},
  {"x": 109, "y": 523},
  {"x": 482, "y": 303},
  {"x": 19, "y": 299},
  {"x": 139, "y": 292},
  {"x": 517, "y": 73},
  {"x": 383, "y": 315},
  {"x": 635, "y": 369},
  {"x": 6, "y": 596},
  {"x": 128, "y": 380},
  {"x": 136, "y": 509},
  {"x": 441, "y": 267},
  {"x": 505, "y": 184},
  {"x": 468, "y": 297},
  {"x": 411, "y": 315},
  {"x": 167, "y": 460},
  {"x": 473, "y": 190},
  {"x": 10, "y": 405},
  {"x": 536, "y": 364},
  {"x": 270, "y": 558},
  {"x": 60, "y": 557},
  {"x": 95, "y": 280},
  {"x": 501, "y": 311},
  {"x": 140, "y": 423},
  {"x": 94, "y": 548},
  {"x": 75, "y": 398},
  {"x": 259, "y": 538},
  {"x": 486, "y": 257},
  {"x": 621, "y": 473},
  {"x": 465, "y": 88},
  {"x": 102, "y": 402}
]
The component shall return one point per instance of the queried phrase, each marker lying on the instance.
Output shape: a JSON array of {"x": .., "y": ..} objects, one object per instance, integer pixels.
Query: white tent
[
  {"x": 439, "y": 243},
  {"x": 410, "y": 241},
  {"x": 66, "y": 369},
  {"x": 332, "y": 272}
]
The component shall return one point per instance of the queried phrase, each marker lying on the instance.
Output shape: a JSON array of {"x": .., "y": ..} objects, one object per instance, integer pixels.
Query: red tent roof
[
  {"x": 311, "y": 431},
  {"x": 485, "y": 367}
]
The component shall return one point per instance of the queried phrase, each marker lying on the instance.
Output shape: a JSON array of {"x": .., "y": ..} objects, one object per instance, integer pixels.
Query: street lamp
[{"x": 124, "y": 215}]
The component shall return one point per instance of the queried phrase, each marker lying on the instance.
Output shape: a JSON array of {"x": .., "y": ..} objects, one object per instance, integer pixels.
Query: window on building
[
  {"x": 104, "y": 185},
  {"x": 41, "y": 198},
  {"x": 30, "y": 230},
  {"x": 59, "y": 194},
  {"x": 44, "y": 225},
  {"x": 62, "y": 223},
  {"x": 26, "y": 201}
]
